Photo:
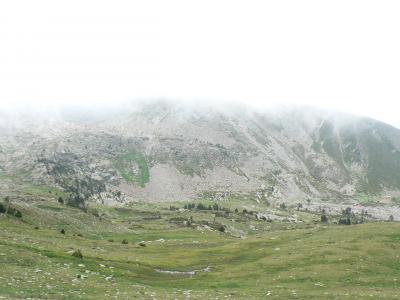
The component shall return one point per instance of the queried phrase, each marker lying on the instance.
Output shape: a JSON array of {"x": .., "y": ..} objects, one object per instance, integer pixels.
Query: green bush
[
  {"x": 12, "y": 211},
  {"x": 77, "y": 253},
  {"x": 124, "y": 241},
  {"x": 201, "y": 206},
  {"x": 324, "y": 218},
  {"x": 2, "y": 208}
]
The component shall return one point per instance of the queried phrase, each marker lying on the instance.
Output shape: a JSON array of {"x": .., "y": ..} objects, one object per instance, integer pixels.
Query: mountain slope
[{"x": 164, "y": 151}]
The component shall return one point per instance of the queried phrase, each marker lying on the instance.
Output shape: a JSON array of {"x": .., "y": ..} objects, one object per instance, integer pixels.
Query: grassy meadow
[{"x": 149, "y": 252}]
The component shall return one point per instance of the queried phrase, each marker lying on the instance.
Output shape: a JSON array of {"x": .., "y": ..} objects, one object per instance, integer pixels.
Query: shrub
[
  {"x": 2, "y": 208},
  {"x": 60, "y": 200},
  {"x": 324, "y": 218},
  {"x": 124, "y": 241},
  {"x": 77, "y": 253},
  {"x": 111, "y": 240},
  {"x": 221, "y": 228},
  {"x": 62, "y": 231},
  {"x": 10, "y": 210},
  {"x": 347, "y": 217},
  {"x": 13, "y": 212},
  {"x": 201, "y": 206},
  {"x": 36, "y": 227},
  {"x": 142, "y": 244},
  {"x": 190, "y": 221}
]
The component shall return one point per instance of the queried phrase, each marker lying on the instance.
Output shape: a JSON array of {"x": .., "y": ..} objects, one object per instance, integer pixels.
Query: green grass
[
  {"x": 280, "y": 261},
  {"x": 367, "y": 199},
  {"x": 123, "y": 165},
  {"x": 43, "y": 191}
]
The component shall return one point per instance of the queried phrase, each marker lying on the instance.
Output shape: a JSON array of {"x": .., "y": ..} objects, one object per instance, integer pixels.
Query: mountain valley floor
[{"x": 170, "y": 251}]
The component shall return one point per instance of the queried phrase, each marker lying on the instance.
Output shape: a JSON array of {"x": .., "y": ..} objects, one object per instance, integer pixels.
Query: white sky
[{"x": 340, "y": 54}]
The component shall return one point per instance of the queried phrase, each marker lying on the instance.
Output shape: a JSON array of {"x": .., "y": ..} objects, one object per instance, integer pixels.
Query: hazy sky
[{"x": 340, "y": 54}]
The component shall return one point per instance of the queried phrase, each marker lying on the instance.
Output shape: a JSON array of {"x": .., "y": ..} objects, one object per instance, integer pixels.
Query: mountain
[{"x": 168, "y": 151}]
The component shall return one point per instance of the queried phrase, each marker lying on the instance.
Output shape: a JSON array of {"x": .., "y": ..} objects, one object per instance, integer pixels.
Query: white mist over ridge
[
  {"x": 340, "y": 55},
  {"x": 97, "y": 110}
]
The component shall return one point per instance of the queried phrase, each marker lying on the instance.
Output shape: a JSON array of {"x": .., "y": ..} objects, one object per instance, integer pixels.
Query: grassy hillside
[{"x": 281, "y": 260}]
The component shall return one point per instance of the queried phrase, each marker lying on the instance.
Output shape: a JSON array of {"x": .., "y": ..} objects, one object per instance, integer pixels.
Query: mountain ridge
[{"x": 164, "y": 151}]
